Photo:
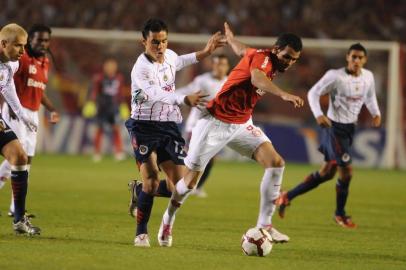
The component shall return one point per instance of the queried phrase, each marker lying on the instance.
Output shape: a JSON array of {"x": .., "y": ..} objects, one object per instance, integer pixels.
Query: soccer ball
[{"x": 256, "y": 242}]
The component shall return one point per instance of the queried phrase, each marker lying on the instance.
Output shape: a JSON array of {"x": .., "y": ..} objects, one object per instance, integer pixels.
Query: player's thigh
[
  {"x": 328, "y": 169},
  {"x": 174, "y": 172},
  {"x": 209, "y": 136},
  {"x": 14, "y": 153}
]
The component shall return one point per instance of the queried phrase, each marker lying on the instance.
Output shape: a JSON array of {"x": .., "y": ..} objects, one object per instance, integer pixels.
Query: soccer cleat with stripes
[
  {"x": 165, "y": 235},
  {"x": 345, "y": 221},
  {"x": 142, "y": 240},
  {"x": 277, "y": 237},
  {"x": 25, "y": 226},
  {"x": 132, "y": 206}
]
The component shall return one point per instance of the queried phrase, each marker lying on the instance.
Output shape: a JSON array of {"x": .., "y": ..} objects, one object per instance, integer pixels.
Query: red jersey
[
  {"x": 236, "y": 100},
  {"x": 30, "y": 80}
]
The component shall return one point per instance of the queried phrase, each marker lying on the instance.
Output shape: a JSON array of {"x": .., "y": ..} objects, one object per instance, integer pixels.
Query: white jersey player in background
[
  {"x": 155, "y": 114},
  {"x": 208, "y": 83},
  {"x": 349, "y": 89},
  {"x": 13, "y": 38}
]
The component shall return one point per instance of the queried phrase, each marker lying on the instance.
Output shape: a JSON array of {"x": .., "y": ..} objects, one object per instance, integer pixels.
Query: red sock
[
  {"x": 118, "y": 144},
  {"x": 98, "y": 140}
]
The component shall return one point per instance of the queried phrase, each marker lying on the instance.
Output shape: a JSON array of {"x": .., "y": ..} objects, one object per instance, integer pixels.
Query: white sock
[
  {"x": 179, "y": 195},
  {"x": 270, "y": 189}
]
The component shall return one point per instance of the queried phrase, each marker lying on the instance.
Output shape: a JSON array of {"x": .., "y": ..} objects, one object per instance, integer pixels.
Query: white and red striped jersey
[
  {"x": 208, "y": 85},
  {"x": 153, "y": 96},
  {"x": 347, "y": 95}
]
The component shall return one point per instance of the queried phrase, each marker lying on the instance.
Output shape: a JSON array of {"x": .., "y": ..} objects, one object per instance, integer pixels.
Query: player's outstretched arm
[
  {"x": 216, "y": 41},
  {"x": 261, "y": 81},
  {"x": 238, "y": 47}
]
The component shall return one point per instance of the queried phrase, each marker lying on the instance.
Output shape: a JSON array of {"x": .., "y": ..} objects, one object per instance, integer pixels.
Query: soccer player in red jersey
[
  {"x": 228, "y": 122},
  {"x": 30, "y": 81}
]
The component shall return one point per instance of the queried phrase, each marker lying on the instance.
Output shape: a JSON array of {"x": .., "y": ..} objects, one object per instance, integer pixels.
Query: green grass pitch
[{"x": 82, "y": 210}]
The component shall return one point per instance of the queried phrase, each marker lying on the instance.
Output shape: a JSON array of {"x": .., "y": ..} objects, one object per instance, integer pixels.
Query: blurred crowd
[{"x": 363, "y": 19}]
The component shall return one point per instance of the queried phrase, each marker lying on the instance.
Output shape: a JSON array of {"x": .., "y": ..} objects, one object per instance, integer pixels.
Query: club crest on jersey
[
  {"x": 345, "y": 157},
  {"x": 143, "y": 149}
]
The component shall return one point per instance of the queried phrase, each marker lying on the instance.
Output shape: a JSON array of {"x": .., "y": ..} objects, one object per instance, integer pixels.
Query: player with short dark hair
[
  {"x": 229, "y": 123},
  {"x": 348, "y": 88},
  {"x": 155, "y": 137},
  {"x": 30, "y": 81},
  {"x": 13, "y": 39}
]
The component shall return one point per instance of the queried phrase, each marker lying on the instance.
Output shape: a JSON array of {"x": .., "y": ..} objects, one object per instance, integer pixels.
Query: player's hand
[
  {"x": 323, "y": 121},
  {"x": 217, "y": 40},
  {"x": 376, "y": 121},
  {"x": 12, "y": 114},
  {"x": 54, "y": 117},
  {"x": 29, "y": 122},
  {"x": 227, "y": 32},
  {"x": 196, "y": 99},
  {"x": 295, "y": 100}
]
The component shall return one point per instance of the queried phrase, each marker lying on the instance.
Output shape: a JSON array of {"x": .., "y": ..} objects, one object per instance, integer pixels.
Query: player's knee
[
  {"x": 346, "y": 174},
  {"x": 19, "y": 158},
  {"x": 278, "y": 162}
]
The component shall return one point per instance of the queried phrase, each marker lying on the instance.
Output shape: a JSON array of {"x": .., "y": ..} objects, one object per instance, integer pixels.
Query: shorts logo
[
  {"x": 256, "y": 133},
  {"x": 143, "y": 149},
  {"x": 345, "y": 157}
]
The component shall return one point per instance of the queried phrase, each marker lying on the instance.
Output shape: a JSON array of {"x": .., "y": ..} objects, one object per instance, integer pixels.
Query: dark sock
[
  {"x": 342, "y": 194},
  {"x": 311, "y": 182},
  {"x": 144, "y": 207},
  {"x": 206, "y": 174},
  {"x": 19, "y": 186},
  {"x": 163, "y": 190}
]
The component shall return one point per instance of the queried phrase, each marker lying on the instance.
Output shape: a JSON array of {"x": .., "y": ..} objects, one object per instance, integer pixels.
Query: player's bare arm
[
  {"x": 54, "y": 115},
  {"x": 196, "y": 99},
  {"x": 323, "y": 121},
  {"x": 216, "y": 41},
  {"x": 238, "y": 47},
  {"x": 261, "y": 81}
]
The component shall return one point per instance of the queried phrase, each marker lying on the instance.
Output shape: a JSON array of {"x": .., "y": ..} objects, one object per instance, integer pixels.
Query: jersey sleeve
[
  {"x": 371, "y": 101},
  {"x": 259, "y": 60},
  {"x": 185, "y": 60},
  {"x": 8, "y": 90},
  {"x": 142, "y": 78},
  {"x": 323, "y": 86}
]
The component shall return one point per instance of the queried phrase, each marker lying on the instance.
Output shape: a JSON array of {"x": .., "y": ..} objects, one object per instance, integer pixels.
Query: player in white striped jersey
[
  {"x": 13, "y": 38},
  {"x": 349, "y": 89},
  {"x": 208, "y": 83},
  {"x": 156, "y": 139}
]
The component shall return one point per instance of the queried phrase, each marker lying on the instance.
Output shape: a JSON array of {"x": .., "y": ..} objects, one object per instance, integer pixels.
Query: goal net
[{"x": 79, "y": 53}]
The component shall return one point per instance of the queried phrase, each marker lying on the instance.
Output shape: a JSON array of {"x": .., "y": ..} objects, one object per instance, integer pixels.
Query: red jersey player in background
[
  {"x": 107, "y": 94},
  {"x": 30, "y": 81},
  {"x": 228, "y": 122}
]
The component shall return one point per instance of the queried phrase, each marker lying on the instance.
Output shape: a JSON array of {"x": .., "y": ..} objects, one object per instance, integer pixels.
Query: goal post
[{"x": 393, "y": 129}]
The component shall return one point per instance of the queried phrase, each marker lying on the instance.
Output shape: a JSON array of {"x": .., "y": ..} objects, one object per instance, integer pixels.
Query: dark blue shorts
[
  {"x": 6, "y": 134},
  {"x": 335, "y": 143},
  {"x": 164, "y": 138}
]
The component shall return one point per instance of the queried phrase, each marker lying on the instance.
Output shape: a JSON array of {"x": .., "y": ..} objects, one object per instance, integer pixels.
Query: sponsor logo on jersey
[
  {"x": 143, "y": 149},
  {"x": 33, "y": 83}
]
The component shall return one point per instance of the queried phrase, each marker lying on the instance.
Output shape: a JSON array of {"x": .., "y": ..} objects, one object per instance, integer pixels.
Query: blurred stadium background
[{"x": 86, "y": 32}]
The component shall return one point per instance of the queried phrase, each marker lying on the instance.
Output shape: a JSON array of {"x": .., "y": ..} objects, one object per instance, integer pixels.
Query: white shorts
[
  {"x": 211, "y": 135},
  {"x": 27, "y": 138}
]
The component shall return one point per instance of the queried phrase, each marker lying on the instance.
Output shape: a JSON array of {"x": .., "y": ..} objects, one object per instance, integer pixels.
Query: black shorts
[
  {"x": 107, "y": 115},
  {"x": 6, "y": 134},
  {"x": 164, "y": 138},
  {"x": 336, "y": 142}
]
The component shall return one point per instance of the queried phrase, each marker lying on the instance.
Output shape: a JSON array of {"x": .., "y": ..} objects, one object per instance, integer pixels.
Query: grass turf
[{"x": 82, "y": 210}]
